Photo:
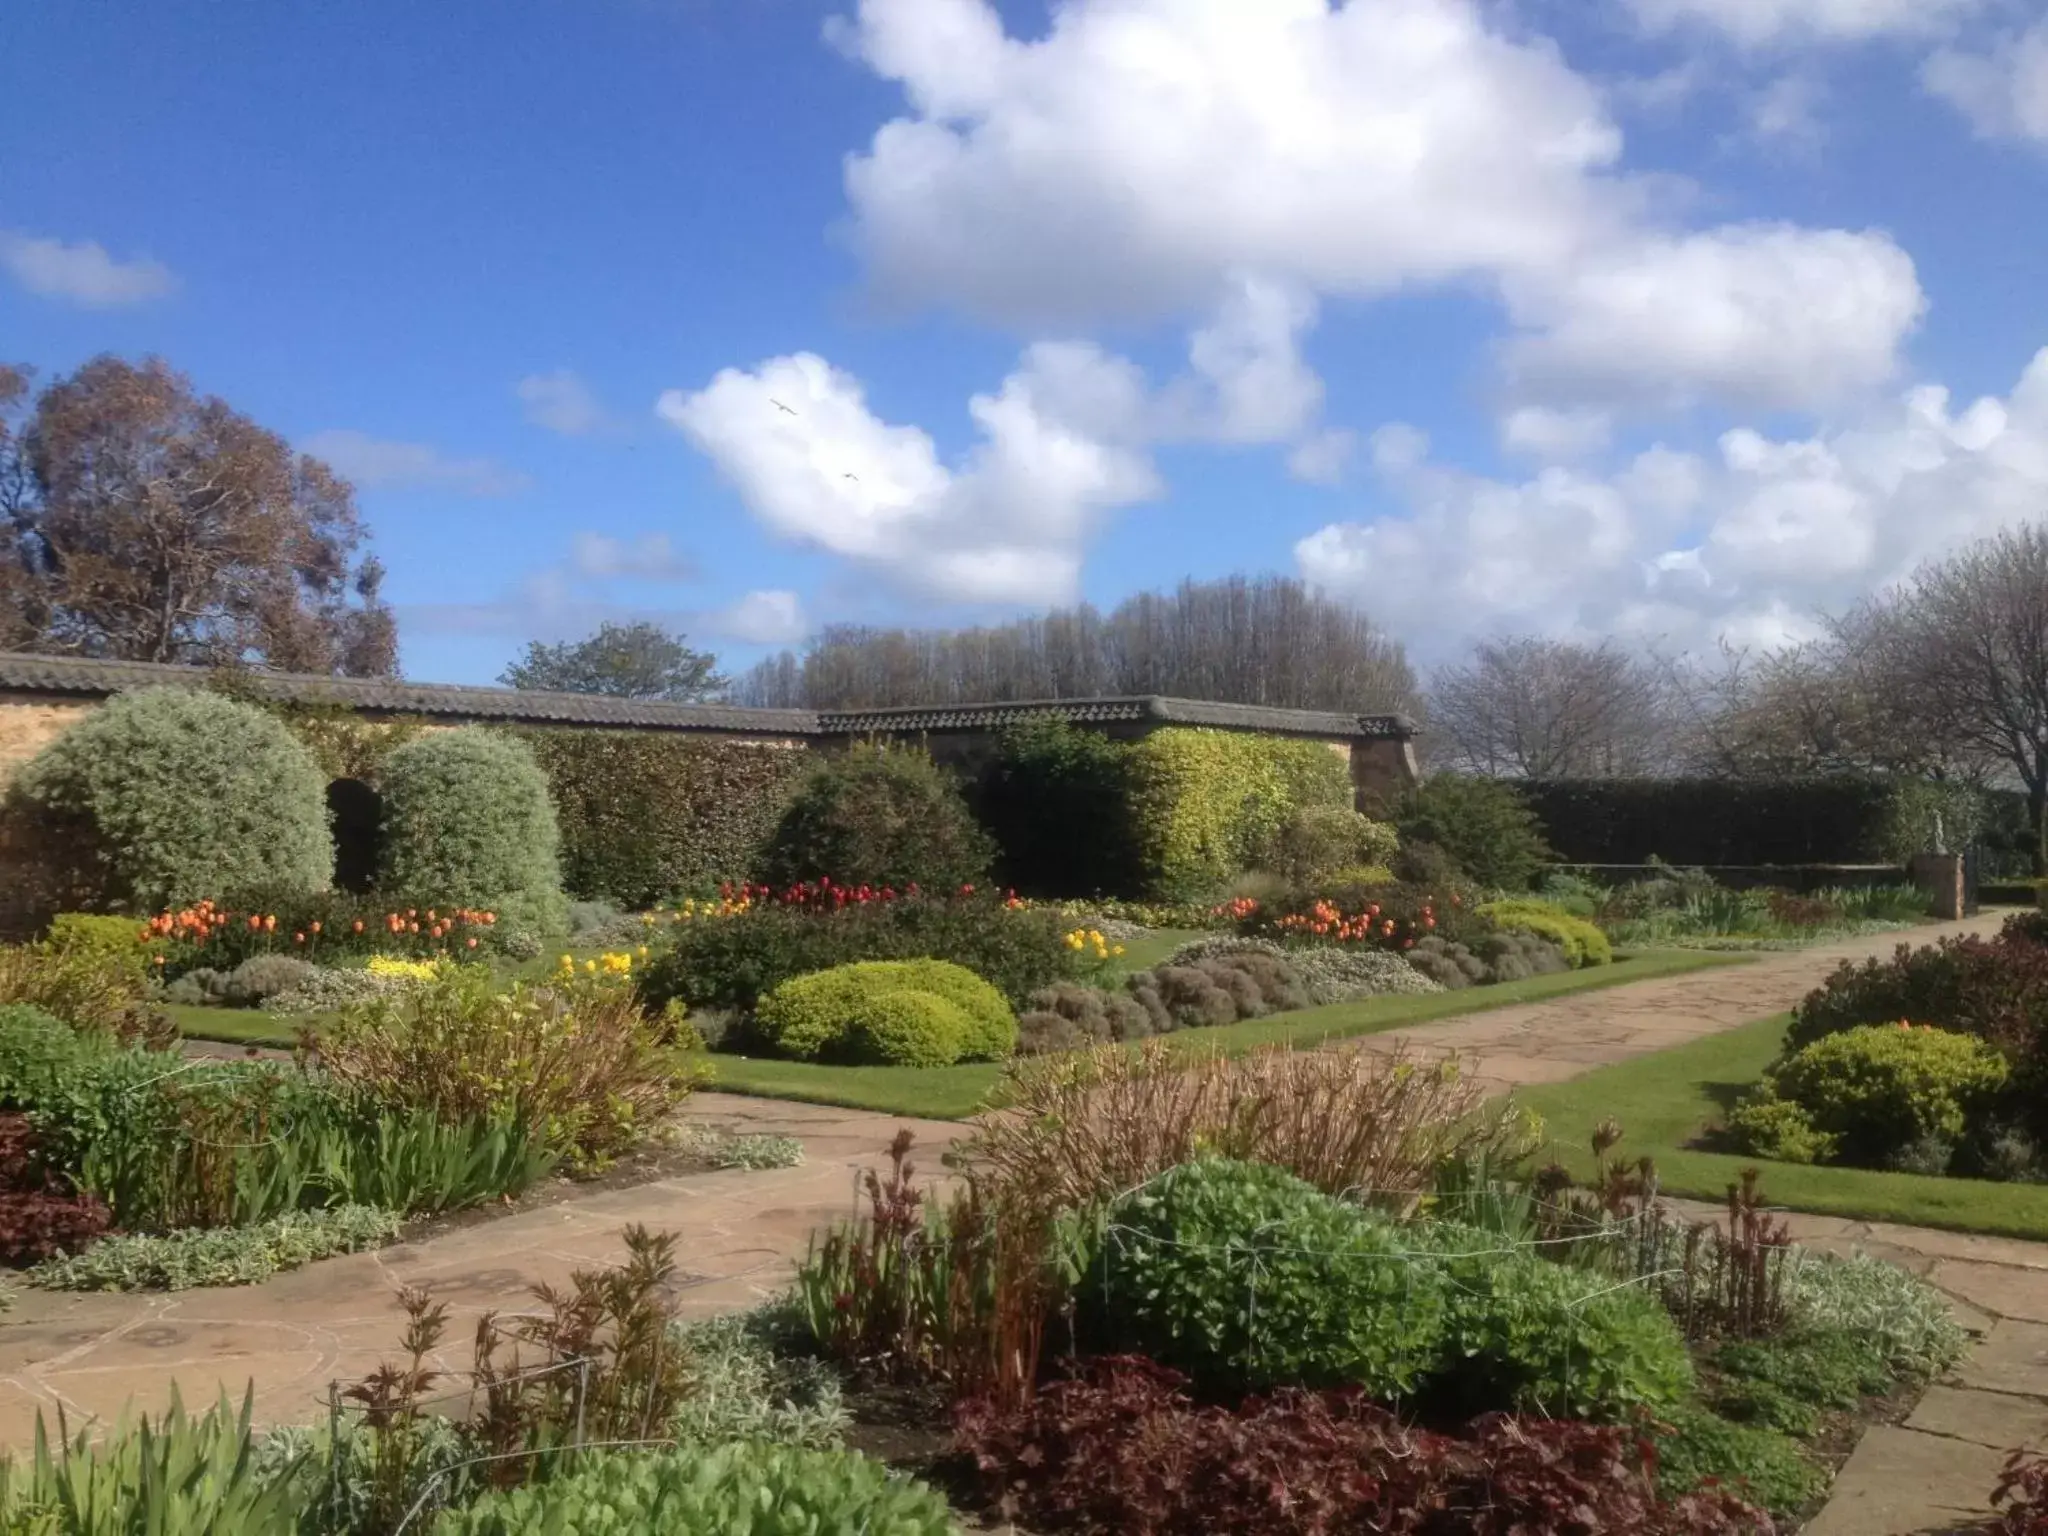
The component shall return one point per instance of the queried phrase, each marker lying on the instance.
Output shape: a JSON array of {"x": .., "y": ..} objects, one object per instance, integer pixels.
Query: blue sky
[{"x": 1556, "y": 316}]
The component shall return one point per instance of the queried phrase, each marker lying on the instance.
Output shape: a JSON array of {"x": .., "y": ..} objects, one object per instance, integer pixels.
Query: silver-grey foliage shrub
[
  {"x": 468, "y": 822},
  {"x": 175, "y": 794}
]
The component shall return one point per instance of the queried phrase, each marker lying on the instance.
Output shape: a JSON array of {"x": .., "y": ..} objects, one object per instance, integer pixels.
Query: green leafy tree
[
  {"x": 623, "y": 661},
  {"x": 1484, "y": 824}
]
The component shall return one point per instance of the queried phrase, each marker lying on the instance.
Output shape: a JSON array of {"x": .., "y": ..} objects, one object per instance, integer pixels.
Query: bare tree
[
  {"x": 1267, "y": 640},
  {"x": 1547, "y": 709},
  {"x": 1958, "y": 654},
  {"x": 142, "y": 521}
]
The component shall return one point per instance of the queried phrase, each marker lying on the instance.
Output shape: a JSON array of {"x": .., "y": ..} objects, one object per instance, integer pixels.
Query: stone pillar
[
  {"x": 1382, "y": 768},
  {"x": 1941, "y": 876}
]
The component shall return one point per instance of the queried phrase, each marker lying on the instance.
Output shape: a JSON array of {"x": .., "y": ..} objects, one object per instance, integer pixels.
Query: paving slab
[
  {"x": 1900, "y": 1482},
  {"x": 1995, "y": 1419}
]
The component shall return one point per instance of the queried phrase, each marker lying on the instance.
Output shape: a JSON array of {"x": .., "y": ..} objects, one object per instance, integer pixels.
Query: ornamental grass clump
[
  {"x": 1074, "y": 1130},
  {"x": 579, "y": 1062}
]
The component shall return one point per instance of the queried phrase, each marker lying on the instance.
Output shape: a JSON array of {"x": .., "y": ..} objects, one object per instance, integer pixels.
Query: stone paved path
[{"x": 741, "y": 1231}]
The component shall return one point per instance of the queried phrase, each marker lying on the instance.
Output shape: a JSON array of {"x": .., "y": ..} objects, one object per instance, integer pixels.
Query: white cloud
[
  {"x": 2004, "y": 92},
  {"x": 771, "y": 617},
  {"x": 1323, "y": 458},
  {"x": 1752, "y": 541},
  {"x": 1550, "y": 434},
  {"x": 1148, "y": 159},
  {"x": 1765, "y": 315},
  {"x": 651, "y": 557},
  {"x": 82, "y": 272},
  {"x": 1764, "y": 23},
  {"x": 1785, "y": 115},
  {"x": 561, "y": 402},
  {"x": 1007, "y": 524},
  {"x": 1143, "y": 150},
  {"x": 380, "y": 464}
]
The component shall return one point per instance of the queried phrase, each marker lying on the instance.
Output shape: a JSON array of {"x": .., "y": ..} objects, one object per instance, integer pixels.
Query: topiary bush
[
  {"x": 878, "y": 815},
  {"x": 1581, "y": 940},
  {"x": 1867, "y": 1095},
  {"x": 170, "y": 794},
  {"x": 1483, "y": 824},
  {"x": 913, "y": 1013},
  {"x": 468, "y": 822}
]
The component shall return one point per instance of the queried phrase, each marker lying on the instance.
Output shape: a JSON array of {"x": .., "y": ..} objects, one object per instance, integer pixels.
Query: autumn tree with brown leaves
[{"x": 142, "y": 521}]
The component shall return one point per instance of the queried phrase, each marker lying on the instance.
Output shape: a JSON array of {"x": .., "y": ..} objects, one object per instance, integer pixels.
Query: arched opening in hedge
[{"x": 356, "y": 813}]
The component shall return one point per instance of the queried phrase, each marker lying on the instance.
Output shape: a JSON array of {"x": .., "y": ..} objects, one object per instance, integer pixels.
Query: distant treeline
[{"x": 1266, "y": 640}]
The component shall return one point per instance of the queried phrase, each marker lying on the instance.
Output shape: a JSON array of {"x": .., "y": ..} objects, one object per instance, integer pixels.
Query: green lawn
[
  {"x": 237, "y": 1026},
  {"x": 1665, "y": 1101},
  {"x": 953, "y": 1093}
]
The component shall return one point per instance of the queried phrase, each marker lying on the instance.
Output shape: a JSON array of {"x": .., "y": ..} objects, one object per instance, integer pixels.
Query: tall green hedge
[
  {"x": 169, "y": 795},
  {"x": 1843, "y": 820},
  {"x": 467, "y": 821},
  {"x": 646, "y": 816},
  {"x": 1206, "y": 805}
]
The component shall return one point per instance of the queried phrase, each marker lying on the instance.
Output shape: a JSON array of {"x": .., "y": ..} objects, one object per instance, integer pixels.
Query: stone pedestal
[{"x": 1940, "y": 875}]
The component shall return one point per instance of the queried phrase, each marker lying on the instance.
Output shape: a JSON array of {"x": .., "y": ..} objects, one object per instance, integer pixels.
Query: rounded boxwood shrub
[
  {"x": 923, "y": 1013},
  {"x": 170, "y": 795},
  {"x": 747, "y": 1488},
  {"x": 1869, "y": 1094},
  {"x": 467, "y": 822},
  {"x": 880, "y": 816},
  {"x": 1582, "y": 941}
]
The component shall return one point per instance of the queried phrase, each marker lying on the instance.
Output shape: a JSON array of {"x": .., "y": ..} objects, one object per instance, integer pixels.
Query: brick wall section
[{"x": 29, "y": 724}]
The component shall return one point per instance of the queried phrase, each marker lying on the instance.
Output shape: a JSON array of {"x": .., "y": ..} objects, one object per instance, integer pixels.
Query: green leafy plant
[
  {"x": 168, "y": 794},
  {"x": 899, "y": 1012},
  {"x": 1206, "y": 805},
  {"x": 1698, "y": 1448},
  {"x": 89, "y": 987},
  {"x": 1486, "y": 825},
  {"x": 468, "y": 822},
  {"x": 1787, "y": 1383},
  {"x": 878, "y": 815},
  {"x": 1866, "y": 1094},
  {"x": 1908, "y": 1320},
  {"x": 744, "y": 1387},
  {"x": 1581, "y": 940},
  {"x": 577, "y": 1061},
  {"x": 1326, "y": 840},
  {"x": 177, "y": 1475},
  {"x": 737, "y": 1490},
  {"x": 178, "y": 1261},
  {"x": 1246, "y": 1278}
]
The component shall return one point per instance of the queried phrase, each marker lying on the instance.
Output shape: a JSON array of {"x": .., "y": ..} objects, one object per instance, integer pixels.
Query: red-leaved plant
[{"x": 1121, "y": 1447}]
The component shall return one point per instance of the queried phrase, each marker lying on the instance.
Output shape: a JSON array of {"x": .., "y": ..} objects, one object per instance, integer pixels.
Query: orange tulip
[{"x": 315, "y": 925}]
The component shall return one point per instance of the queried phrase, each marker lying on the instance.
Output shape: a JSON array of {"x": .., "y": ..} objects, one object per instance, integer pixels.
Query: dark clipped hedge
[
  {"x": 645, "y": 816},
  {"x": 1057, "y": 800},
  {"x": 1748, "y": 822}
]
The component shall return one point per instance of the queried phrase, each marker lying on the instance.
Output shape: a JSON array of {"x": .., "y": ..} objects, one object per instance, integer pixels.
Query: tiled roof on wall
[{"x": 88, "y": 677}]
